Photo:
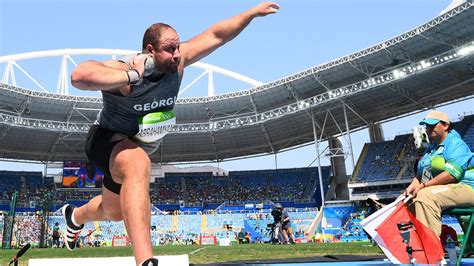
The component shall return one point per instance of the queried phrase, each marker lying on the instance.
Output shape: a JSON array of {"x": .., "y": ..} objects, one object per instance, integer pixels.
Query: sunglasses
[{"x": 431, "y": 126}]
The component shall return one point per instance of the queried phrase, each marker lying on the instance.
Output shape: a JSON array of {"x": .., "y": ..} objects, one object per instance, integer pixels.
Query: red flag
[{"x": 426, "y": 245}]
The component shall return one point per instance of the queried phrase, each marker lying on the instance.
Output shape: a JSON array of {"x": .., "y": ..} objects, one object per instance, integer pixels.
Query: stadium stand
[
  {"x": 186, "y": 196},
  {"x": 239, "y": 187},
  {"x": 469, "y": 136},
  {"x": 352, "y": 229},
  {"x": 384, "y": 162},
  {"x": 381, "y": 161},
  {"x": 194, "y": 204}
]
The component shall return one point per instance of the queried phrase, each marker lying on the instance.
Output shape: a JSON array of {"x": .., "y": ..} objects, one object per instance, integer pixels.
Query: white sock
[{"x": 74, "y": 221}]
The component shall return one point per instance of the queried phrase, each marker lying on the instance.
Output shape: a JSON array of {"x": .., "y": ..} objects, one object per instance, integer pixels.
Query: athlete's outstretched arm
[{"x": 222, "y": 32}]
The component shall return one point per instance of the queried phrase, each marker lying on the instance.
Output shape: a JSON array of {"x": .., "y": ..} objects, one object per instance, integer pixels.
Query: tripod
[{"x": 274, "y": 234}]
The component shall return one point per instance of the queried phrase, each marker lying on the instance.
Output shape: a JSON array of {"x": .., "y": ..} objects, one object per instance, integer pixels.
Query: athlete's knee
[{"x": 113, "y": 213}]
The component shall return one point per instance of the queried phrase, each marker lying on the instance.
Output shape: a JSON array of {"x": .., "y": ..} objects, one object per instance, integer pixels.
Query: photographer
[
  {"x": 372, "y": 203},
  {"x": 282, "y": 218},
  {"x": 56, "y": 235}
]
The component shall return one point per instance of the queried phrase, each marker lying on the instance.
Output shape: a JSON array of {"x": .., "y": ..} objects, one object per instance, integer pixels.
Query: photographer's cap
[
  {"x": 277, "y": 206},
  {"x": 434, "y": 117},
  {"x": 373, "y": 197}
]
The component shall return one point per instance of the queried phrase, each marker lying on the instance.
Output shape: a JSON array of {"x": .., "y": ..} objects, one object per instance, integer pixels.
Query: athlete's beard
[{"x": 172, "y": 67}]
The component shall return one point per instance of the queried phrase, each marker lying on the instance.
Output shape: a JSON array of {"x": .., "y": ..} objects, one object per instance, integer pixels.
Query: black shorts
[{"x": 99, "y": 145}]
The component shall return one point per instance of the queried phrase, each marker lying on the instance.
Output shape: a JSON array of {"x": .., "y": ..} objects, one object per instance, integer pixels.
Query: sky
[{"x": 303, "y": 34}]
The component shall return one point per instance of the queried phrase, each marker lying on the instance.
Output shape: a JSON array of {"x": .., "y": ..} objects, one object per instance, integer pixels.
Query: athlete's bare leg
[
  {"x": 105, "y": 207},
  {"x": 131, "y": 167}
]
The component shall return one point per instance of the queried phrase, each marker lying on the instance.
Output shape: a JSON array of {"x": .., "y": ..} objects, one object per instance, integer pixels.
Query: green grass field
[{"x": 208, "y": 254}]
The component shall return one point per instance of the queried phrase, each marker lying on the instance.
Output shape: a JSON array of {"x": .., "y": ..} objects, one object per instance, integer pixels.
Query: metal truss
[
  {"x": 50, "y": 96},
  {"x": 62, "y": 88},
  {"x": 347, "y": 59},
  {"x": 300, "y": 105},
  {"x": 383, "y": 79},
  {"x": 43, "y": 124},
  {"x": 61, "y": 134},
  {"x": 406, "y": 94},
  {"x": 262, "y": 126}
]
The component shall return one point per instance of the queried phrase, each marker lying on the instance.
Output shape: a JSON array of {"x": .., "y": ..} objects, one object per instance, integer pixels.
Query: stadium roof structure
[{"x": 422, "y": 68}]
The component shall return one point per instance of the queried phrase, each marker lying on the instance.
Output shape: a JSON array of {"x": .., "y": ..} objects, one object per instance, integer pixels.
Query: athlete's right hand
[{"x": 138, "y": 62}]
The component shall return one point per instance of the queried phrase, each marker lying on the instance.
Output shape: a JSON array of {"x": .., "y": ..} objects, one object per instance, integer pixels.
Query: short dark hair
[{"x": 153, "y": 33}]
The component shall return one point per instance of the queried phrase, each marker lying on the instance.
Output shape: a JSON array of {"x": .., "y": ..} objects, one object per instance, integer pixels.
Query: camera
[
  {"x": 277, "y": 213},
  {"x": 271, "y": 226}
]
